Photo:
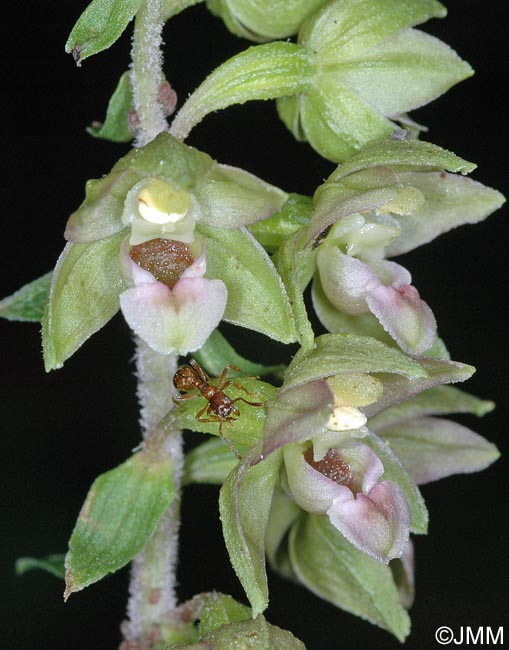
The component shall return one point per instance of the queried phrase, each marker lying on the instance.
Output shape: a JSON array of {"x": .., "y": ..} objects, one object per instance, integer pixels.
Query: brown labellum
[
  {"x": 332, "y": 466},
  {"x": 166, "y": 259}
]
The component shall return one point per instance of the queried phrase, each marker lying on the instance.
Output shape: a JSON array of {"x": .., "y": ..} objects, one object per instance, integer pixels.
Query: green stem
[
  {"x": 152, "y": 589},
  {"x": 152, "y": 594},
  {"x": 146, "y": 71}
]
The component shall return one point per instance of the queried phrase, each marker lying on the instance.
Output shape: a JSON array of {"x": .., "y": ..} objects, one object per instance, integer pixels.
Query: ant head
[{"x": 185, "y": 378}]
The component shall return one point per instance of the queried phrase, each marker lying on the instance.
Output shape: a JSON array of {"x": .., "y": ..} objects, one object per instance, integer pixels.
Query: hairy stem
[
  {"x": 147, "y": 72},
  {"x": 152, "y": 593}
]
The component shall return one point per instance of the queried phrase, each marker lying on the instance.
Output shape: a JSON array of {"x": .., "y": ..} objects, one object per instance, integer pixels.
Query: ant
[{"x": 219, "y": 408}]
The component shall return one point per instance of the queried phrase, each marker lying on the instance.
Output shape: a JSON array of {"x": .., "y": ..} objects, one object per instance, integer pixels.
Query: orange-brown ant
[{"x": 219, "y": 408}]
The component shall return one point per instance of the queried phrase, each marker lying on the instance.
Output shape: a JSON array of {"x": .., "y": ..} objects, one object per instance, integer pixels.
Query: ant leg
[
  {"x": 228, "y": 442},
  {"x": 201, "y": 372},
  {"x": 225, "y": 372},
  {"x": 241, "y": 399},
  {"x": 182, "y": 398}
]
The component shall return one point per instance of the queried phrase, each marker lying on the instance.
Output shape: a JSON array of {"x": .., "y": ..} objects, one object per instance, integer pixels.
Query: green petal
[
  {"x": 28, "y": 303},
  {"x": 294, "y": 215},
  {"x": 84, "y": 296},
  {"x": 99, "y": 26},
  {"x": 120, "y": 514},
  {"x": 335, "y": 570},
  {"x": 257, "y": 298},
  {"x": 231, "y": 197}
]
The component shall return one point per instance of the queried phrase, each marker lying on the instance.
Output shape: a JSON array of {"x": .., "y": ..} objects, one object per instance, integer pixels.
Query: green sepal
[
  {"x": 259, "y": 20},
  {"x": 247, "y": 429},
  {"x": 99, "y": 26},
  {"x": 328, "y": 565},
  {"x": 440, "y": 400},
  {"x": 115, "y": 127},
  {"x": 394, "y": 471},
  {"x": 295, "y": 265},
  {"x": 216, "y": 353},
  {"x": 403, "y": 156},
  {"x": 53, "y": 564},
  {"x": 120, "y": 514},
  {"x": 371, "y": 67},
  {"x": 260, "y": 72},
  {"x": 27, "y": 303},
  {"x": 283, "y": 514},
  {"x": 244, "y": 505},
  {"x": 257, "y": 298},
  {"x": 294, "y": 215},
  {"x": 336, "y": 354},
  {"x": 84, "y": 296},
  {"x": 255, "y": 634},
  {"x": 232, "y": 197}
]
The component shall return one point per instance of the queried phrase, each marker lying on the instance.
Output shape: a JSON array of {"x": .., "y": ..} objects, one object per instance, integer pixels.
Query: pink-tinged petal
[
  {"x": 403, "y": 314},
  {"x": 309, "y": 488},
  {"x": 177, "y": 321},
  {"x": 367, "y": 468},
  {"x": 197, "y": 268},
  {"x": 378, "y": 523},
  {"x": 344, "y": 280}
]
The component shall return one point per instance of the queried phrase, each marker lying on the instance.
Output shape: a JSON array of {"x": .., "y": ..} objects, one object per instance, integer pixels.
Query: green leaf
[
  {"x": 120, "y": 514},
  {"x": 99, "y": 26},
  {"x": 336, "y": 354},
  {"x": 216, "y": 353},
  {"x": 244, "y": 505},
  {"x": 247, "y": 429},
  {"x": 294, "y": 215},
  {"x": 115, "y": 127},
  {"x": 218, "y": 610},
  {"x": 257, "y": 298},
  {"x": 210, "y": 462},
  {"x": 395, "y": 471},
  {"x": 329, "y": 566},
  {"x": 53, "y": 564},
  {"x": 28, "y": 303},
  {"x": 260, "y": 72},
  {"x": 84, "y": 296},
  {"x": 290, "y": 261}
]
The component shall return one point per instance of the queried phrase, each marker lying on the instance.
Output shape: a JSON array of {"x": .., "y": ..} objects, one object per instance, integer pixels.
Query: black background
[{"x": 60, "y": 430}]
